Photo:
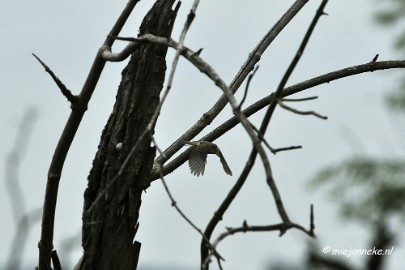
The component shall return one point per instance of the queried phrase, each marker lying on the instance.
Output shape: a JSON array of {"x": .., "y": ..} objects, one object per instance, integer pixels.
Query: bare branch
[
  {"x": 55, "y": 170},
  {"x": 301, "y": 49},
  {"x": 263, "y": 139},
  {"x": 288, "y": 108},
  {"x": 282, "y": 227},
  {"x": 312, "y": 222},
  {"x": 225, "y": 205},
  {"x": 287, "y": 148},
  {"x": 107, "y": 55},
  {"x": 278, "y": 94},
  {"x": 274, "y": 150},
  {"x": 184, "y": 216},
  {"x": 212, "y": 74},
  {"x": 269, "y": 177},
  {"x": 247, "y": 87},
  {"x": 66, "y": 92},
  {"x": 250, "y": 62},
  {"x": 55, "y": 260},
  {"x": 299, "y": 99},
  {"x": 262, "y": 103},
  {"x": 375, "y": 58},
  {"x": 179, "y": 48}
]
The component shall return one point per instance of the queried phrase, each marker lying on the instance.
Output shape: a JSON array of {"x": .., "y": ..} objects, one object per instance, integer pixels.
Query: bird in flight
[{"x": 198, "y": 156}]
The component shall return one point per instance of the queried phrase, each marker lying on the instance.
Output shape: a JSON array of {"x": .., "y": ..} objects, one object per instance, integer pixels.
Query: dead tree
[{"x": 125, "y": 163}]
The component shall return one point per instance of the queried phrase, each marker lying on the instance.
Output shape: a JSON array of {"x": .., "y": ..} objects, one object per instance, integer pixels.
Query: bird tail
[{"x": 225, "y": 165}]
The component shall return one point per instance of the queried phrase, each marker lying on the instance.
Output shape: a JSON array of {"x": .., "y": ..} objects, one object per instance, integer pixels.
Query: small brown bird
[{"x": 198, "y": 156}]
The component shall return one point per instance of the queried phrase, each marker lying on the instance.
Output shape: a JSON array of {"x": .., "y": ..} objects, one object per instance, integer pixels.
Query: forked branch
[
  {"x": 55, "y": 169},
  {"x": 288, "y": 91},
  {"x": 286, "y": 223},
  {"x": 245, "y": 228},
  {"x": 293, "y": 110}
]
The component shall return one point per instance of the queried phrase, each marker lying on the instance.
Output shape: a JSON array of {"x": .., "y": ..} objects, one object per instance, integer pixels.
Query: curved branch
[
  {"x": 293, "y": 110},
  {"x": 251, "y": 61},
  {"x": 282, "y": 227},
  {"x": 286, "y": 222},
  {"x": 262, "y": 103},
  {"x": 45, "y": 244}
]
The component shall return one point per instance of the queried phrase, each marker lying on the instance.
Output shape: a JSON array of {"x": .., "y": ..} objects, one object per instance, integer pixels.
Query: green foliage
[
  {"x": 388, "y": 17},
  {"x": 400, "y": 40},
  {"x": 397, "y": 100},
  {"x": 393, "y": 15},
  {"x": 366, "y": 189}
]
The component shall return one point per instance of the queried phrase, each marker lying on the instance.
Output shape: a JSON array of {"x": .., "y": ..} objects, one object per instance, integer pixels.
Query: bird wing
[
  {"x": 197, "y": 161},
  {"x": 224, "y": 164}
]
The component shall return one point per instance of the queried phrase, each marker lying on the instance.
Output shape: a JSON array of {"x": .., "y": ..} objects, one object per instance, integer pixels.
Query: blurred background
[{"x": 351, "y": 166}]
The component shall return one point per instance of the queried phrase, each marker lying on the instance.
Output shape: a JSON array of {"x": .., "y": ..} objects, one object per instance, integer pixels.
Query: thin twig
[
  {"x": 312, "y": 220},
  {"x": 291, "y": 109},
  {"x": 65, "y": 91},
  {"x": 299, "y": 99},
  {"x": 263, "y": 139},
  {"x": 287, "y": 148},
  {"x": 272, "y": 149},
  {"x": 184, "y": 216},
  {"x": 247, "y": 86},
  {"x": 375, "y": 58},
  {"x": 179, "y": 49},
  {"x": 224, "y": 206}
]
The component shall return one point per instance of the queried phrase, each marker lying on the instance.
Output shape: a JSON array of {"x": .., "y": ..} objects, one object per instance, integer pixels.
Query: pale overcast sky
[{"x": 67, "y": 34}]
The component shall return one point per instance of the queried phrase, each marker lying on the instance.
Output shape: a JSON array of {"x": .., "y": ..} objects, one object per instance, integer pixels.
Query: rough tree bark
[{"x": 109, "y": 228}]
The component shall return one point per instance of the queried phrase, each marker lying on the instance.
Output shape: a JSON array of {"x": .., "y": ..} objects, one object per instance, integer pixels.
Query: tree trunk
[{"x": 109, "y": 228}]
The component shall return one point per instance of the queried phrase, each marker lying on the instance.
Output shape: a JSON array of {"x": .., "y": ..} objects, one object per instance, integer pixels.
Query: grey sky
[{"x": 67, "y": 34}]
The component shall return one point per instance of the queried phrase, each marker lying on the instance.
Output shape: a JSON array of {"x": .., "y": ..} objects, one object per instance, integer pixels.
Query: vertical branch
[
  {"x": 45, "y": 244},
  {"x": 278, "y": 94},
  {"x": 252, "y": 157},
  {"x": 179, "y": 49}
]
